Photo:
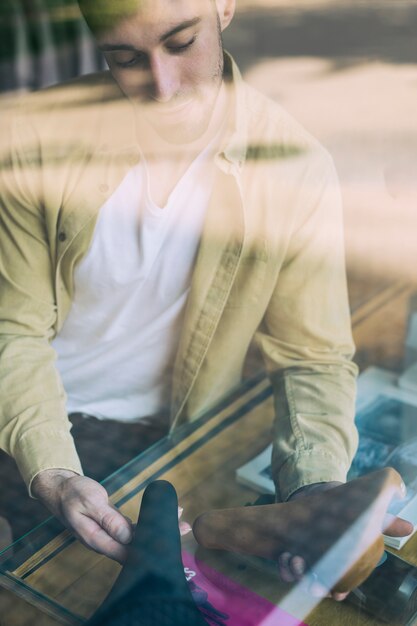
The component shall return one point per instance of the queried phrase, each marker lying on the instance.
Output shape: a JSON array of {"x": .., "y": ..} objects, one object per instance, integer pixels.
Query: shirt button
[
  {"x": 133, "y": 159},
  {"x": 104, "y": 188},
  {"x": 62, "y": 236}
]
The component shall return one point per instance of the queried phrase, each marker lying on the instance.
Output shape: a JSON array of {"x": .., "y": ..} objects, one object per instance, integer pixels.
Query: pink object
[{"x": 223, "y": 602}]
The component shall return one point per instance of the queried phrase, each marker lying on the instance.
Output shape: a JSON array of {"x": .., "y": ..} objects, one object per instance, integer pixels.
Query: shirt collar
[{"x": 234, "y": 147}]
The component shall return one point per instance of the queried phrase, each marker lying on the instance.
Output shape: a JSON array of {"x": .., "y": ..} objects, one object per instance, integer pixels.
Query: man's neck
[
  {"x": 156, "y": 149},
  {"x": 167, "y": 163}
]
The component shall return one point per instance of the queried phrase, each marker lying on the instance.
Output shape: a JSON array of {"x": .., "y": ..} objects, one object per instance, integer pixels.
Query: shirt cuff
[
  {"x": 44, "y": 449},
  {"x": 307, "y": 468}
]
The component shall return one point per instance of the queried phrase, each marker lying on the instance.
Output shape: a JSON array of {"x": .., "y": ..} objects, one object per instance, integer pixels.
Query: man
[{"x": 239, "y": 237}]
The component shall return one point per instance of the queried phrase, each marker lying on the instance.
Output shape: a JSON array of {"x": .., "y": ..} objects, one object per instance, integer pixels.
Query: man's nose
[{"x": 163, "y": 78}]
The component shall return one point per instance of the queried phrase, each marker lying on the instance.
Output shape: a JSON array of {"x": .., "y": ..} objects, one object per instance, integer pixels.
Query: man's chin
[{"x": 180, "y": 123}]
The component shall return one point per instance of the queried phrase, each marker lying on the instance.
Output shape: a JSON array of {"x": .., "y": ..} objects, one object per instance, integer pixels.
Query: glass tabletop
[
  {"x": 49, "y": 567},
  {"x": 51, "y": 570}
]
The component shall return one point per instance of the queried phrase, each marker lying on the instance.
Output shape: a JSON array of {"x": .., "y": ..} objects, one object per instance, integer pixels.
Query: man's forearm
[{"x": 315, "y": 436}]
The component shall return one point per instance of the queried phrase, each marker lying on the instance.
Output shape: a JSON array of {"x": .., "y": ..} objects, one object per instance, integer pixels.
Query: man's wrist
[
  {"x": 50, "y": 478},
  {"x": 309, "y": 490}
]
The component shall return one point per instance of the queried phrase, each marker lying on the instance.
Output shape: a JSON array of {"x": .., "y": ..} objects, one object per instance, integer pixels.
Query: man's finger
[
  {"x": 185, "y": 528},
  {"x": 396, "y": 526},
  {"x": 298, "y": 567},
  {"x": 113, "y": 522},
  {"x": 95, "y": 537},
  {"x": 284, "y": 567},
  {"x": 129, "y": 522},
  {"x": 339, "y": 597}
]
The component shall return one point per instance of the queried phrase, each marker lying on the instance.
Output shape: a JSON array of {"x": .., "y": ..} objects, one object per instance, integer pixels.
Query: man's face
[{"x": 168, "y": 58}]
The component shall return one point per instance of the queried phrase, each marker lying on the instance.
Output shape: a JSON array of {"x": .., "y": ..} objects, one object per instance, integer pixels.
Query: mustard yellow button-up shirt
[{"x": 270, "y": 269}]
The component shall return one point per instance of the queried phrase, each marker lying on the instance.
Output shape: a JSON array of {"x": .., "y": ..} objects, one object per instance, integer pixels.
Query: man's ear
[{"x": 226, "y": 11}]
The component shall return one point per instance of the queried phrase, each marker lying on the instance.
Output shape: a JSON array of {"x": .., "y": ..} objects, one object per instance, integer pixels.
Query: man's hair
[{"x": 102, "y": 15}]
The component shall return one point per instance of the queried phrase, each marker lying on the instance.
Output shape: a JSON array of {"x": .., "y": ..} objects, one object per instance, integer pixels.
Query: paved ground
[{"x": 348, "y": 71}]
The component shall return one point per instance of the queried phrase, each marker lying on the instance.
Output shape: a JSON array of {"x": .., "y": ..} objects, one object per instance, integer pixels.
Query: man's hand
[
  {"x": 83, "y": 506},
  {"x": 293, "y": 567}
]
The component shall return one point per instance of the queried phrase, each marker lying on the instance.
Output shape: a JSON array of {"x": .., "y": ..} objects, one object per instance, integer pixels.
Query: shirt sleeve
[
  {"x": 34, "y": 427},
  {"x": 307, "y": 343}
]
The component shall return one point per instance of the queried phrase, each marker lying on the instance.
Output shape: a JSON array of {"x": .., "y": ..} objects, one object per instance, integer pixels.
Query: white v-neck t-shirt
[{"x": 118, "y": 344}]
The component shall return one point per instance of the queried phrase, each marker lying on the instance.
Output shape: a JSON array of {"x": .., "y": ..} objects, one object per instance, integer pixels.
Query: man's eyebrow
[
  {"x": 122, "y": 46},
  {"x": 180, "y": 27}
]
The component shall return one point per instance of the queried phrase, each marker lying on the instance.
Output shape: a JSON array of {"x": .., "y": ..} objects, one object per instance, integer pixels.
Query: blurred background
[{"x": 346, "y": 69}]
